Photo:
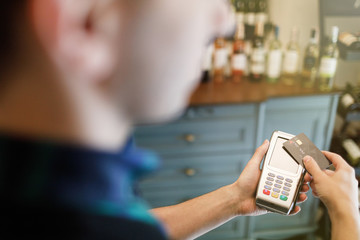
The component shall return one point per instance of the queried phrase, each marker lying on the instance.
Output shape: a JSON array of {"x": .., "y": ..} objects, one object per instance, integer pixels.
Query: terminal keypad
[{"x": 277, "y": 186}]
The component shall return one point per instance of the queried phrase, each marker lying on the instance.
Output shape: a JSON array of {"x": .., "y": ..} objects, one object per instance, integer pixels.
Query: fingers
[
  {"x": 305, "y": 188},
  {"x": 296, "y": 210},
  {"x": 314, "y": 192},
  {"x": 329, "y": 172},
  {"x": 254, "y": 163},
  {"x": 312, "y": 167},
  {"x": 260, "y": 152},
  {"x": 307, "y": 178},
  {"x": 336, "y": 160},
  {"x": 302, "y": 198}
]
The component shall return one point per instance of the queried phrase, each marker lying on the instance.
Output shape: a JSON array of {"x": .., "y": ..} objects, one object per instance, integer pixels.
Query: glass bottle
[
  {"x": 328, "y": 62},
  {"x": 220, "y": 60},
  {"x": 261, "y": 11},
  {"x": 274, "y": 60},
  {"x": 240, "y": 11},
  {"x": 291, "y": 59},
  {"x": 238, "y": 59},
  {"x": 257, "y": 67},
  {"x": 207, "y": 64},
  {"x": 311, "y": 60},
  {"x": 250, "y": 14}
]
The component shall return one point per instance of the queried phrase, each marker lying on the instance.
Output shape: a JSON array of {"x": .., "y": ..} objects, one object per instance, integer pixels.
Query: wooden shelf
[{"x": 247, "y": 92}]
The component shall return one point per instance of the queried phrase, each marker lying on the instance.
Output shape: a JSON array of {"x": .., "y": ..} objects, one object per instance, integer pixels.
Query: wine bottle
[
  {"x": 238, "y": 59},
  {"x": 329, "y": 62},
  {"x": 257, "y": 67},
  {"x": 220, "y": 60},
  {"x": 274, "y": 60},
  {"x": 311, "y": 60},
  {"x": 291, "y": 59},
  {"x": 207, "y": 64},
  {"x": 250, "y": 14},
  {"x": 352, "y": 150},
  {"x": 240, "y": 11},
  {"x": 261, "y": 11}
]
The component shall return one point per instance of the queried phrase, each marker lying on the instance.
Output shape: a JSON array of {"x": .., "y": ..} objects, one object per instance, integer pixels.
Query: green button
[{"x": 284, "y": 198}]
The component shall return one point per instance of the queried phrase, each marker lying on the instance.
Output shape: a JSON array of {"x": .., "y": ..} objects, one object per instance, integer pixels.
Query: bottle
[
  {"x": 261, "y": 11},
  {"x": 207, "y": 64},
  {"x": 347, "y": 100},
  {"x": 250, "y": 14},
  {"x": 352, "y": 150},
  {"x": 328, "y": 62},
  {"x": 274, "y": 60},
  {"x": 240, "y": 11},
  {"x": 220, "y": 60},
  {"x": 238, "y": 59},
  {"x": 291, "y": 59},
  {"x": 311, "y": 60},
  {"x": 257, "y": 67}
]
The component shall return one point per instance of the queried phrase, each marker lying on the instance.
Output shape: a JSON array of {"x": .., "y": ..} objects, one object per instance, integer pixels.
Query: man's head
[{"x": 143, "y": 57}]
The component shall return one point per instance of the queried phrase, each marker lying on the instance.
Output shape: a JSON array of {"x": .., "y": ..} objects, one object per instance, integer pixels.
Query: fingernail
[{"x": 266, "y": 141}]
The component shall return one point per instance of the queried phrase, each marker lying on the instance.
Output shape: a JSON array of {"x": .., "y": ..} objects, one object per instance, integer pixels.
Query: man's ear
[{"x": 80, "y": 36}]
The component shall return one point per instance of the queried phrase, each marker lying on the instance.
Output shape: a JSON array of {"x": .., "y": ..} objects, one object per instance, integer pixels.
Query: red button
[{"x": 266, "y": 192}]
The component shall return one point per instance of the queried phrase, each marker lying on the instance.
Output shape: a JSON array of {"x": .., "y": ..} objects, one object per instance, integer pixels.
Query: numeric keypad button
[{"x": 271, "y": 174}]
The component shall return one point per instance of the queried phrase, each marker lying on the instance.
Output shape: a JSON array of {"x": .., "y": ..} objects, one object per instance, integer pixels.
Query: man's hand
[
  {"x": 247, "y": 183},
  {"x": 337, "y": 189},
  {"x": 339, "y": 192}
]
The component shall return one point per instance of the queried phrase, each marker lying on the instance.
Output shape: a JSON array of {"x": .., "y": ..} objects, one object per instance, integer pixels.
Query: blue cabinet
[{"x": 209, "y": 146}]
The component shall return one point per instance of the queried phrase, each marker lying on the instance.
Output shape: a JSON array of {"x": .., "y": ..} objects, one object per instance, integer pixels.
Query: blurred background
[{"x": 292, "y": 66}]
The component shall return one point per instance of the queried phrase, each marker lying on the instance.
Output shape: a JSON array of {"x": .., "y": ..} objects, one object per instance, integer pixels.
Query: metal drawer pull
[
  {"x": 190, "y": 138},
  {"x": 190, "y": 172}
]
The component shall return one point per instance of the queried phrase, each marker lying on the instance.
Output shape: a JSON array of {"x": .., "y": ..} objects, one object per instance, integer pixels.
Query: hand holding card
[{"x": 300, "y": 146}]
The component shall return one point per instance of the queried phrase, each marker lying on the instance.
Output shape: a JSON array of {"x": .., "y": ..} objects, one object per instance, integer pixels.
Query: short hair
[{"x": 10, "y": 10}]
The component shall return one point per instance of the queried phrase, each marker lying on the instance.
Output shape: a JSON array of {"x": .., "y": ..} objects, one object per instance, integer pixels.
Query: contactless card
[{"x": 300, "y": 146}]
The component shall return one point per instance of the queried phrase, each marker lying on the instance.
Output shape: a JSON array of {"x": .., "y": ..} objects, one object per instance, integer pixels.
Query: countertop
[{"x": 229, "y": 92}]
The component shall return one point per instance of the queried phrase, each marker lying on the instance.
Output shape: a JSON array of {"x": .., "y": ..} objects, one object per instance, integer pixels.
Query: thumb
[
  {"x": 260, "y": 152},
  {"x": 312, "y": 167}
]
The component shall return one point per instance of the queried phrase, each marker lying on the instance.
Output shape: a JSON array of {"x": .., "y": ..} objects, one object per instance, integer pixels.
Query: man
[{"x": 77, "y": 75}]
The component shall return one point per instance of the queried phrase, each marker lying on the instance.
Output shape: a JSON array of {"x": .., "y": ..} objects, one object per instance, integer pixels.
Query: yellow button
[{"x": 275, "y": 195}]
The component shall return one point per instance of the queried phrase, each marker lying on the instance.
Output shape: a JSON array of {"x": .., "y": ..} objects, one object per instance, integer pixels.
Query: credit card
[{"x": 300, "y": 146}]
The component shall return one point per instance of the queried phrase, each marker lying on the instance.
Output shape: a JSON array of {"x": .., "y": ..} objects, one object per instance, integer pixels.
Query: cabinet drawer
[
  {"x": 186, "y": 170},
  {"x": 297, "y": 115},
  {"x": 186, "y": 137},
  {"x": 201, "y": 130},
  {"x": 224, "y": 111},
  {"x": 313, "y": 103}
]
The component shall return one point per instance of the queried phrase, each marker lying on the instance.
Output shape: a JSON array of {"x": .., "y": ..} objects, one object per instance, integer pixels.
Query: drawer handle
[
  {"x": 190, "y": 172},
  {"x": 190, "y": 138}
]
